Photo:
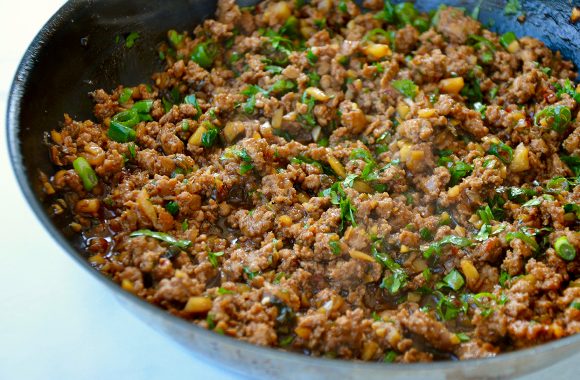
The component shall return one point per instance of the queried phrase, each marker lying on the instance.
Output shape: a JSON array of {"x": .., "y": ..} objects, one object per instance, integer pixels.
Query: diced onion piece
[
  {"x": 198, "y": 305},
  {"x": 317, "y": 94},
  {"x": 415, "y": 158},
  {"x": 276, "y": 118},
  {"x": 361, "y": 256},
  {"x": 426, "y": 113},
  {"x": 303, "y": 332},
  {"x": 470, "y": 271},
  {"x": 97, "y": 259},
  {"x": 56, "y": 137},
  {"x": 285, "y": 220},
  {"x": 232, "y": 130},
  {"x": 362, "y": 186},
  {"x": 521, "y": 160},
  {"x": 337, "y": 167},
  {"x": 369, "y": 350},
  {"x": 280, "y": 10},
  {"x": 404, "y": 152},
  {"x": 316, "y": 133},
  {"x": 453, "y": 192},
  {"x": 377, "y": 51},
  {"x": 88, "y": 206},
  {"x": 403, "y": 109},
  {"x": 195, "y": 139},
  {"x": 414, "y": 297},
  {"x": 127, "y": 285},
  {"x": 452, "y": 85},
  {"x": 513, "y": 47},
  {"x": 145, "y": 206}
]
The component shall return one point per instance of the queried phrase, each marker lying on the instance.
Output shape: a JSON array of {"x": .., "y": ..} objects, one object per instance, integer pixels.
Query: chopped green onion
[
  {"x": 282, "y": 86},
  {"x": 251, "y": 275},
  {"x": 507, "y": 38},
  {"x": 573, "y": 163},
  {"x": 523, "y": 236},
  {"x": 212, "y": 257},
  {"x": 459, "y": 170},
  {"x": 387, "y": 14},
  {"x": 435, "y": 248},
  {"x": 425, "y": 233},
  {"x": 463, "y": 337},
  {"x": 390, "y": 357},
  {"x": 204, "y": 53},
  {"x": 500, "y": 150},
  {"x": 192, "y": 99},
  {"x": 245, "y": 167},
  {"x": 172, "y": 207},
  {"x": 406, "y": 13},
  {"x": 125, "y": 95},
  {"x": 130, "y": 39},
  {"x": 335, "y": 247},
  {"x": 564, "y": 249},
  {"x": 222, "y": 291},
  {"x": 128, "y": 118},
  {"x": 311, "y": 57},
  {"x": 86, "y": 173},
  {"x": 454, "y": 280},
  {"x": 556, "y": 117},
  {"x": 120, "y": 133},
  {"x": 175, "y": 38},
  {"x": 209, "y": 137},
  {"x": 183, "y": 244},
  {"x": 143, "y": 106},
  {"x": 132, "y": 151}
]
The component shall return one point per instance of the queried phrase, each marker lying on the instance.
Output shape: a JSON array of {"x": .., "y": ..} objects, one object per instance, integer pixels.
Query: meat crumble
[{"x": 360, "y": 183}]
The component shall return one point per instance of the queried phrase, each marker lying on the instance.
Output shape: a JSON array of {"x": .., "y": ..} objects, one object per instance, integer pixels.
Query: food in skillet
[{"x": 381, "y": 185}]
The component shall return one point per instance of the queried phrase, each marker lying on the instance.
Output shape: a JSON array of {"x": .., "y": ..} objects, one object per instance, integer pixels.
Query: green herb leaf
[
  {"x": 524, "y": 236},
  {"x": 573, "y": 163},
  {"x": 335, "y": 247},
  {"x": 502, "y": 151},
  {"x": 204, "y": 54},
  {"x": 183, "y": 244},
  {"x": 556, "y": 117},
  {"x": 564, "y": 249},
  {"x": 406, "y": 87},
  {"x": 172, "y": 207},
  {"x": 459, "y": 170},
  {"x": 454, "y": 280},
  {"x": 131, "y": 39},
  {"x": 390, "y": 357},
  {"x": 506, "y": 39},
  {"x": 435, "y": 248},
  {"x": 209, "y": 137}
]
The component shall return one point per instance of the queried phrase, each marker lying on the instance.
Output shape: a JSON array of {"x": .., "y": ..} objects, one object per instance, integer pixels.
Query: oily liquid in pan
[{"x": 352, "y": 303}]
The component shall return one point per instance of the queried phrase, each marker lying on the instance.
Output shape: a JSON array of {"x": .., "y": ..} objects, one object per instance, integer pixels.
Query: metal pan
[{"x": 76, "y": 52}]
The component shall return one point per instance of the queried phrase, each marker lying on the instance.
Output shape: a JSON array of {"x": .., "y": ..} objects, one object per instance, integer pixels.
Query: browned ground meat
[{"x": 318, "y": 179}]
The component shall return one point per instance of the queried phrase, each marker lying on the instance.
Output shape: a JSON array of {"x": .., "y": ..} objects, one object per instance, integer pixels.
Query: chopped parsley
[{"x": 406, "y": 87}]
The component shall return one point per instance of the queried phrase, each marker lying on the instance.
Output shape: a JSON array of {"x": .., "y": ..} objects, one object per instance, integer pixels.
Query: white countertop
[{"x": 56, "y": 321}]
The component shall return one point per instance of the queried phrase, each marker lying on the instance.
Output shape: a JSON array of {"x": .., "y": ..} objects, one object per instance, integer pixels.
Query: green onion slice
[
  {"x": 86, "y": 172},
  {"x": 183, "y": 244}
]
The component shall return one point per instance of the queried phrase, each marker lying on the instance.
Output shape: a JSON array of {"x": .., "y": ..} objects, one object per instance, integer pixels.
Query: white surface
[{"x": 57, "y": 322}]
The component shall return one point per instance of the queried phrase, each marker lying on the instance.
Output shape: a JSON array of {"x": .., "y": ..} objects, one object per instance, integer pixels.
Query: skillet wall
[{"x": 57, "y": 73}]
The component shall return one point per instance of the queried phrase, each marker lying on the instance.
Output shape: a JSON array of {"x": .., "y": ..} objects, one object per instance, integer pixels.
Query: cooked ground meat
[{"x": 339, "y": 182}]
